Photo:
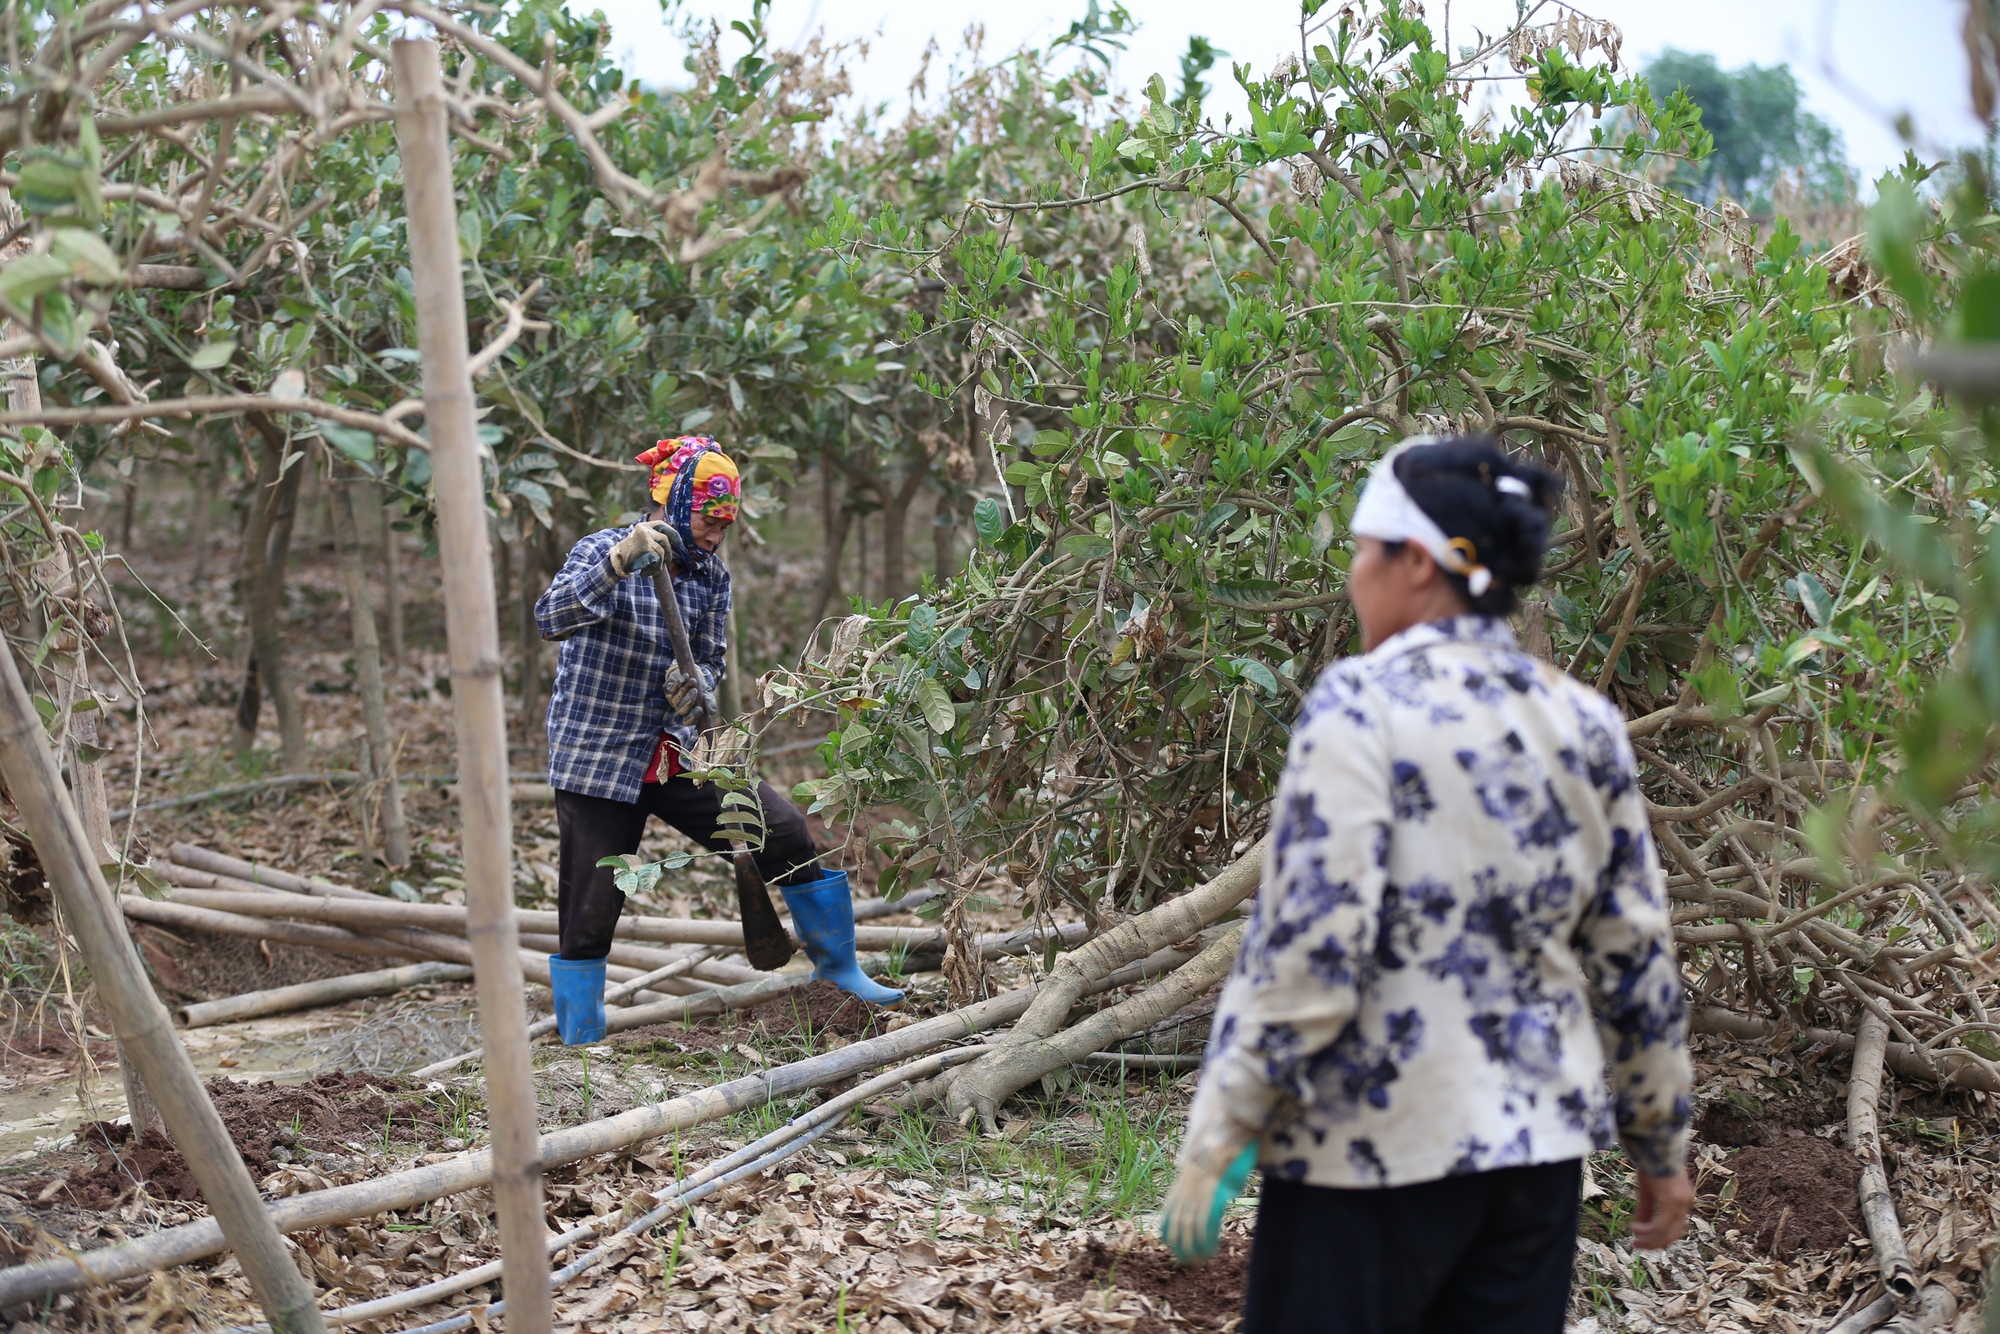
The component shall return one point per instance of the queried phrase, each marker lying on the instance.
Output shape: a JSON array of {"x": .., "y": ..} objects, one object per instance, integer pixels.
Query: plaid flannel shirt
[{"x": 609, "y": 704}]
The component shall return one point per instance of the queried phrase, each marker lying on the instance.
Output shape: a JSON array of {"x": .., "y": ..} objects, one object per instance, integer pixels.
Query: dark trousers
[
  {"x": 1489, "y": 1252},
  {"x": 590, "y": 829}
]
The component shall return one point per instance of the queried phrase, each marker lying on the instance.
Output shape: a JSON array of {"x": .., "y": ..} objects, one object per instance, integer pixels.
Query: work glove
[
  {"x": 1191, "y": 1219},
  {"x": 688, "y": 697},
  {"x": 639, "y": 549}
]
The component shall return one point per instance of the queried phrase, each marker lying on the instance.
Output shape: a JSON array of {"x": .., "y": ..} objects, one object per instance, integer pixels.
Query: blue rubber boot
[
  {"x": 823, "y": 920},
  {"x": 578, "y": 985}
]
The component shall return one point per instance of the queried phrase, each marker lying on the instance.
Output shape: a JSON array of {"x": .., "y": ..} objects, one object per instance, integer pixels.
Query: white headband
[{"x": 1388, "y": 514}]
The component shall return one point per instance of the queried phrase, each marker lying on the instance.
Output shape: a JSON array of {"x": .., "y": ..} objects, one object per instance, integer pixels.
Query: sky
[{"x": 1861, "y": 63}]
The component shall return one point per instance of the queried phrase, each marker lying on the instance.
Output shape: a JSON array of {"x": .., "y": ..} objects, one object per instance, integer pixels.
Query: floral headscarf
[{"x": 692, "y": 475}]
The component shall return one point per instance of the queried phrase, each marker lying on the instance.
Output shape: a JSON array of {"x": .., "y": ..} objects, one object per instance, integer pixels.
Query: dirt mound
[
  {"x": 1725, "y": 1124},
  {"x": 28, "y": 1035},
  {"x": 194, "y": 965},
  {"x": 270, "y": 1123},
  {"x": 821, "y": 1009},
  {"x": 1204, "y": 1296},
  {"x": 1798, "y": 1194},
  {"x": 817, "y": 1010}
]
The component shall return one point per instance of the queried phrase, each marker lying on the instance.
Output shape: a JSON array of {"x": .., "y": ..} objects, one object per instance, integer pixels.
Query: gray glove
[
  {"x": 689, "y": 698},
  {"x": 639, "y": 549}
]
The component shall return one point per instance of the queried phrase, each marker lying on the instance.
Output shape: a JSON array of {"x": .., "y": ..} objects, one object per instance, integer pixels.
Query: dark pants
[
  {"x": 590, "y": 829},
  {"x": 1489, "y": 1252}
]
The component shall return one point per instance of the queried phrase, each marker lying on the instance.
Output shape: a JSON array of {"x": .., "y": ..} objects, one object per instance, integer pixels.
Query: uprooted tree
[{"x": 1186, "y": 347}]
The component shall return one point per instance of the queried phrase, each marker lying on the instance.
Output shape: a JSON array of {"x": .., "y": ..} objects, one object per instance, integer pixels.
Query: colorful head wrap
[{"x": 692, "y": 475}]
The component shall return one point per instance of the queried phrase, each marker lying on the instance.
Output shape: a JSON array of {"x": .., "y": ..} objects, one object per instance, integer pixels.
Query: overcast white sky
[{"x": 1861, "y": 62}]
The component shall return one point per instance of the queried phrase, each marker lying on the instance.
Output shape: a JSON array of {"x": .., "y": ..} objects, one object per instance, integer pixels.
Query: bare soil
[
  {"x": 270, "y": 1123},
  {"x": 1799, "y": 1194},
  {"x": 815, "y": 1011},
  {"x": 1203, "y": 1297}
]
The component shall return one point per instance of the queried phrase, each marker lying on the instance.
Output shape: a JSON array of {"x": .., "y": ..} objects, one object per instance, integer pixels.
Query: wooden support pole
[
  {"x": 472, "y": 631},
  {"x": 145, "y": 1031},
  {"x": 325, "y": 991}
]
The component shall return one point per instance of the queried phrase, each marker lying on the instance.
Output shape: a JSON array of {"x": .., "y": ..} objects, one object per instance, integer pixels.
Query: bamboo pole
[
  {"x": 310, "y": 935},
  {"x": 138, "y": 1017},
  {"x": 325, "y": 991},
  {"x": 472, "y": 633},
  {"x": 406, "y": 1190},
  {"x": 218, "y": 863},
  {"x": 373, "y": 911}
]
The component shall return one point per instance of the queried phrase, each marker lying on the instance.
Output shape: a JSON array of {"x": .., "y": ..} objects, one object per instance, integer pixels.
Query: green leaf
[
  {"x": 30, "y": 276},
  {"x": 213, "y": 356},
  {"x": 357, "y": 444},
  {"x": 1023, "y": 473},
  {"x": 1246, "y": 592},
  {"x": 1084, "y": 546},
  {"x": 1258, "y": 674},
  {"x": 936, "y": 704},
  {"x": 86, "y": 255},
  {"x": 989, "y": 520},
  {"x": 922, "y": 632}
]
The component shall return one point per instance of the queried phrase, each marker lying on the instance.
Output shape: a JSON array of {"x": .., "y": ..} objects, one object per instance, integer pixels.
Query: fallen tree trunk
[
  {"x": 325, "y": 991},
  {"x": 1878, "y": 1205},
  {"x": 1912, "y": 1063},
  {"x": 1015, "y": 1065},
  {"x": 982, "y": 1086}
]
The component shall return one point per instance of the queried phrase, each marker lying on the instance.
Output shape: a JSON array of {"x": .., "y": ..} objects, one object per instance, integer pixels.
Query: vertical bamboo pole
[
  {"x": 145, "y": 1031},
  {"x": 473, "y": 633}
]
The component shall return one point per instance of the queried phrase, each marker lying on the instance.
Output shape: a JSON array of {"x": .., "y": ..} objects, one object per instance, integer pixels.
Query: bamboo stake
[
  {"x": 218, "y": 863},
  {"x": 145, "y": 1032},
  {"x": 406, "y": 1190},
  {"x": 310, "y": 935},
  {"x": 472, "y": 632},
  {"x": 1878, "y": 1204},
  {"x": 373, "y": 911},
  {"x": 326, "y": 991}
]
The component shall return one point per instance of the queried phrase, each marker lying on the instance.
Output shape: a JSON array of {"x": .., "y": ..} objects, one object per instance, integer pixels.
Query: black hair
[{"x": 1456, "y": 483}]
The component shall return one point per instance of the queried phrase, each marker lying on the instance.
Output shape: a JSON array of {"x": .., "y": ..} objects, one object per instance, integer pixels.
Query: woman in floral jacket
[{"x": 1462, "y": 924}]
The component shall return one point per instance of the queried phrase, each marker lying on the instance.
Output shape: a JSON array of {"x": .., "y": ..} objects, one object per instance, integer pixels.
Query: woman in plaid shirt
[{"x": 622, "y": 714}]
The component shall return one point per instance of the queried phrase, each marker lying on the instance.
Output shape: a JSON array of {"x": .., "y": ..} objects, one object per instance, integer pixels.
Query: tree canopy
[{"x": 1762, "y": 130}]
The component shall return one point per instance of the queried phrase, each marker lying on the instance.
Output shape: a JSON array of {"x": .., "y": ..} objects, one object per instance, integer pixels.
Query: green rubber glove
[{"x": 1191, "y": 1225}]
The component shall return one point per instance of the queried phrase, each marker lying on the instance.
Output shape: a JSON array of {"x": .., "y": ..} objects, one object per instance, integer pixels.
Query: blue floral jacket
[{"x": 1462, "y": 920}]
